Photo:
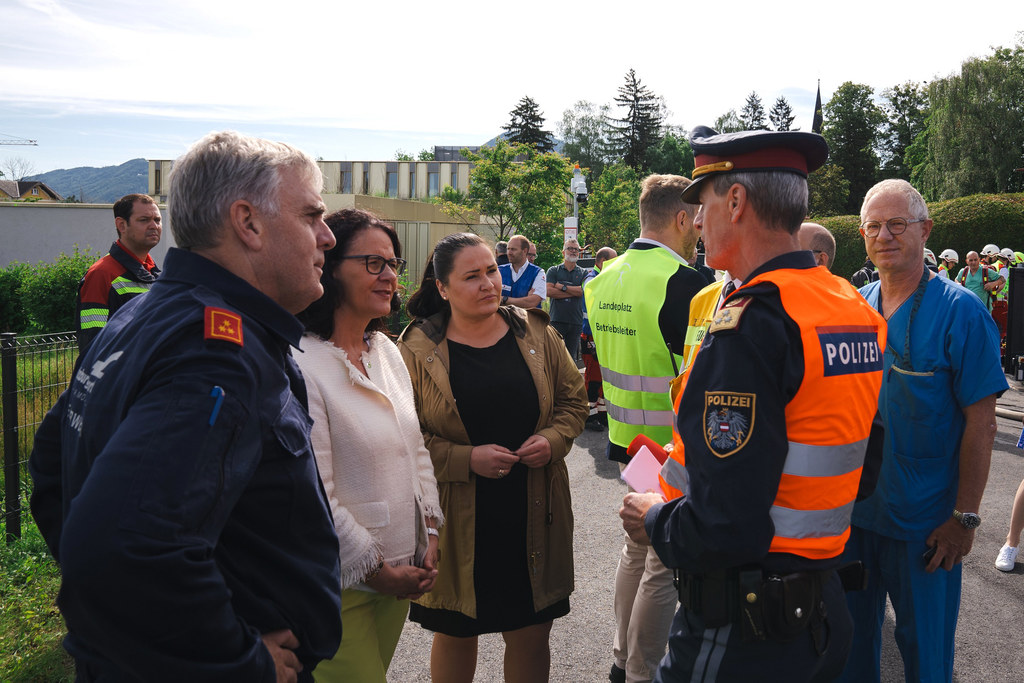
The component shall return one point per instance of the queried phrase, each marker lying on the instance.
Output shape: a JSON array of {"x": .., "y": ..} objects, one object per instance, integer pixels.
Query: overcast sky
[{"x": 98, "y": 82}]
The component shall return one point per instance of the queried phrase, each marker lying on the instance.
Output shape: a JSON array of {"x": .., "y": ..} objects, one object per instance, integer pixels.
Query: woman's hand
[
  {"x": 535, "y": 451},
  {"x": 430, "y": 560},
  {"x": 405, "y": 582},
  {"x": 492, "y": 461}
]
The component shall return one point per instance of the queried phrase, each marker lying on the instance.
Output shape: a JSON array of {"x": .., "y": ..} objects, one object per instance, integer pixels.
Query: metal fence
[{"x": 34, "y": 370}]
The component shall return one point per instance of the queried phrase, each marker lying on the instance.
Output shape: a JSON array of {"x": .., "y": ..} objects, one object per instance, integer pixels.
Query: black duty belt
[{"x": 766, "y": 605}]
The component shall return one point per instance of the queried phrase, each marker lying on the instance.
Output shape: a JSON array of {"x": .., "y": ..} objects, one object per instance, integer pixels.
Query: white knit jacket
[{"x": 377, "y": 474}]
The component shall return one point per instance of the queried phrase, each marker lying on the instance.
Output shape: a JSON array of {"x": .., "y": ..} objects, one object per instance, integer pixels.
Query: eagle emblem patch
[{"x": 728, "y": 421}]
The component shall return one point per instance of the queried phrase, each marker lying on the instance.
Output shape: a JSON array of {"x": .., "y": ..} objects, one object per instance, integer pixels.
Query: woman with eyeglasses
[
  {"x": 376, "y": 472},
  {"x": 500, "y": 402}
]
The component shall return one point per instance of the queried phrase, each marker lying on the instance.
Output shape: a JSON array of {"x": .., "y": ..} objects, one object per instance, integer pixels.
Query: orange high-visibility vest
[{"x": 829, "y": 420}]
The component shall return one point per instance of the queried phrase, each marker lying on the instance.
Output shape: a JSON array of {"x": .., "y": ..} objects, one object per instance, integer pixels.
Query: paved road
[{"x": 988, "y": 647}]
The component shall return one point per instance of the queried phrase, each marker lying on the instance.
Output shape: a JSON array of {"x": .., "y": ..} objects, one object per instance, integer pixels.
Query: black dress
[{"x": 497, "y": 400}]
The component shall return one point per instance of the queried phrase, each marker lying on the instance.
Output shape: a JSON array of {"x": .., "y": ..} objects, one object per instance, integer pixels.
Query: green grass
[{"x": 31, "y": 628}]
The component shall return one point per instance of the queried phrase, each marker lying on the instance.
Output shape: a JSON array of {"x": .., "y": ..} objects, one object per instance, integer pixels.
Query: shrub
[
  {"x": 50, "y": 290},
  {"x": 12, "y": 312},
  {"x": 963, "y": 224}
]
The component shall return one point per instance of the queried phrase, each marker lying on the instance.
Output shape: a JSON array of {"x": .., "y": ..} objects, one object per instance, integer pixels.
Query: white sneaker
[{"x": 1007, "y": 558}]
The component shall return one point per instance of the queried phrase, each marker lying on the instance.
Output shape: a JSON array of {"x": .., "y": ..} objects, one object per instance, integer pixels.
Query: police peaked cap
[{"x": 752, "y": 150}]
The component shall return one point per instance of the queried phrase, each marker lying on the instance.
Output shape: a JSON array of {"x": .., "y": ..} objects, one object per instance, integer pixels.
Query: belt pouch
[
  {"x": 714, "y": 599},
  {"x": 790, "y": 602},
  {"x": 751, "y": 600}
]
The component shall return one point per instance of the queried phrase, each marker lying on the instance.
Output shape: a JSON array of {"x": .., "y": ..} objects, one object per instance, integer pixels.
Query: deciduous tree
[
  {"x": 852, "y": 125},
  {"x": 16, "y": 168},
  {"x": 611, "y": 217},
  {"x": 584, "y": 133},
  {"x": 672, "y": 154},
  {"x": 974, "y": 137},
  {"x": 729, "y": 122},
  {"x": 906, "y": 109},
  {"x": 527, "y": 197},
  {"x": 527, "y": 126}
]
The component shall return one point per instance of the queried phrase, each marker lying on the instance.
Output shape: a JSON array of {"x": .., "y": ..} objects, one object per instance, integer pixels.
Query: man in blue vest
[{"x": 523, "y": 284}]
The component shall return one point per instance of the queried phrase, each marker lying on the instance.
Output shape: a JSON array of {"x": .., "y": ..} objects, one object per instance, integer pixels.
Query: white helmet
[
  {"x": 929, "y": 257},
  {"x": 1007, "y": 254},
  {"x": 990, "y": 250},
  {"x": 950, "y": 255}
]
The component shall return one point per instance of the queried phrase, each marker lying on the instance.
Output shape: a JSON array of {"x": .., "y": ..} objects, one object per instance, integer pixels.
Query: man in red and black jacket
[{"x": 127, "y": 271}]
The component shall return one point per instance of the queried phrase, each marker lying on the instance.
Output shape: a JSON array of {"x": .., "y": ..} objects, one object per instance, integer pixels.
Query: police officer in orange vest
[{"x": 775, "y": 419}]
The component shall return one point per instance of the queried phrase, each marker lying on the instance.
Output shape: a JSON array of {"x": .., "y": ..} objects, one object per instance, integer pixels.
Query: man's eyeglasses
[
  {"x": 895, "y": 226},
  {"x": 572, "y": 250},
  {"x": 375, "y": 264}
]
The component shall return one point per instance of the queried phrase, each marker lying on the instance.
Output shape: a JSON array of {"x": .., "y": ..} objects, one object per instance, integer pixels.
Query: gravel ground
[{"x": 987, "y": 647}]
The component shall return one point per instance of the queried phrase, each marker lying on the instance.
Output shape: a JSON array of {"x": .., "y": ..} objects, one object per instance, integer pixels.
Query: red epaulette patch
[{"x": 221, "y": 323}]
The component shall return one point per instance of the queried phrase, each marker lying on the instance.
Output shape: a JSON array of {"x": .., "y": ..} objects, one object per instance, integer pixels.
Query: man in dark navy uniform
[
  {"x": 174, "y": 480},
  {"x": 775, "y": 418}
]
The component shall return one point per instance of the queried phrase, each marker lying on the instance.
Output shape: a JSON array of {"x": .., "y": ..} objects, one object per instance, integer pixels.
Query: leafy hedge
[
  {"x": 41, "y": 298},
  {"x": 963, "y": 224}
]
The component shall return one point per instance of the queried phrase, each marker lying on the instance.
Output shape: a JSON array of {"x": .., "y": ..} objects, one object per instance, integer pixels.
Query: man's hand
[
  {"x": 280, "y": 645},
  {"x": 953, "y": 543},
  {"x": 634, "y": 509}
]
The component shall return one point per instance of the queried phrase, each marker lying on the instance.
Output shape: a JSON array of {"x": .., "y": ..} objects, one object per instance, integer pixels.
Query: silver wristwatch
[{"x": 969, "y": 520}]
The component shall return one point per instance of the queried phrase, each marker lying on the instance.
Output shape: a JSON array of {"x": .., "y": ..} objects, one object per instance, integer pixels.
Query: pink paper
[{"x": 642, "y": 472}]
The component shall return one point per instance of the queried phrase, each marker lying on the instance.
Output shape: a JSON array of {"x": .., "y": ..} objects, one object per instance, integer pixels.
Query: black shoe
[
  {"x": 594, "y": 424},
  {"x": 617, "y": 675}
]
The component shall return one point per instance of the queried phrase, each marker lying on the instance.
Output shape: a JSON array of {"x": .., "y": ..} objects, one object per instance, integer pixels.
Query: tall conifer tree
[
  {"x": 526, "y": 126},
  {"x": 640, "y": 128},
  {"x": 781, "y": 114}
]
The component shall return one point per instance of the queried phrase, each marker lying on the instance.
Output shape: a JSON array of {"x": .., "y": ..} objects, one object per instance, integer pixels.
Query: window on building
[
  {"x": 156, "y": 181},
  {"x": 412, "y": 181},
  {"x": 391, "y": 183},
  {"x": 345, "y": 182},
  {"x": 35, "y": 191},
  {"x": 432, "y": 184},
  {"x": 455, "y": 178},
  {"x": 366, "y": 182}
]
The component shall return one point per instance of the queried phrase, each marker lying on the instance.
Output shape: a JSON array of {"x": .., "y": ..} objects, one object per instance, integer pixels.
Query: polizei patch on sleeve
[
  {"x": 849, "y": 349},
  {"x": 728, "y": 421}
]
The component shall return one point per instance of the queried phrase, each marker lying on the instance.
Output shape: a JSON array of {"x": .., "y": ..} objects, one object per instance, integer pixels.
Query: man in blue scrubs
[{"x": 938, "y": 397}]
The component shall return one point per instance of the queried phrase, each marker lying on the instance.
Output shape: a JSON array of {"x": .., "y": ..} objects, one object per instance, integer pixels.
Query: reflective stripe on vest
[
  {"x": 635, "y": 382},
  {"x": 640, "y": 417},
  {"x": 673, "y": 474}
]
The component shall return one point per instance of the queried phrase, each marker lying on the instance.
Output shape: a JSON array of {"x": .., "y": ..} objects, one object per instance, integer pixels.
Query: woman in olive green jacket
[{"x": 506, "y": 550}]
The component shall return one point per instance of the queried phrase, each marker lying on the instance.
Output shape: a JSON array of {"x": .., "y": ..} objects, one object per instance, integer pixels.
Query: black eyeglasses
[
  {"x": 895, "y": 226},
  {"x": 375, "y": 264}
]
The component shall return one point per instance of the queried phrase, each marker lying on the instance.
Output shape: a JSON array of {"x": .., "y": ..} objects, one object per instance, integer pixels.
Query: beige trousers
[{"x": 645, "y": 602}]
